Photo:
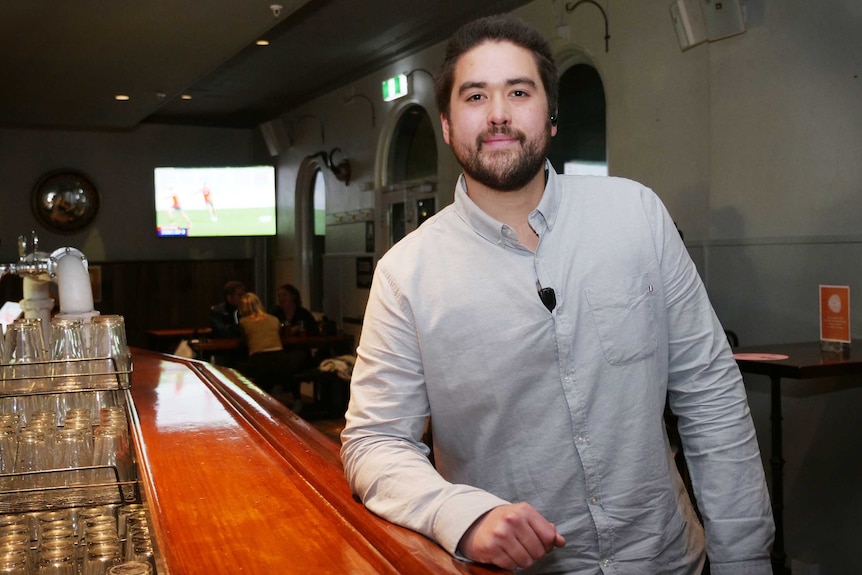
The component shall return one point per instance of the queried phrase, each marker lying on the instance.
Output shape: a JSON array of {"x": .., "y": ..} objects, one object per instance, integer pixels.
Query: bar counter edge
[{"x": 331, "y": 530}]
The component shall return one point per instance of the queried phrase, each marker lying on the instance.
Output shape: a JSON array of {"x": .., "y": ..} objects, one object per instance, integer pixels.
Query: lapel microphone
[{"x": 549, "y": 298}]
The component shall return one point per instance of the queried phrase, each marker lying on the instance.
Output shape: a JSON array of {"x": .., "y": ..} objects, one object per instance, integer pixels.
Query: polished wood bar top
[
  {"x": 231, "y": 343},
  {"x": 237, "y": 483},
  {"x": 804, "y": 360}
]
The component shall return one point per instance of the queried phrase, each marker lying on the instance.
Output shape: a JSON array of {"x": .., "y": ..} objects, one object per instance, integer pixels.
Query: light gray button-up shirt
[{"x": 562, "y": 409}]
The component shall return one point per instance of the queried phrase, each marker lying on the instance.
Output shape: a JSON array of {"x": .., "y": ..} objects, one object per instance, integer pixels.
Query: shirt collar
[{"x": 542, "y": 218}]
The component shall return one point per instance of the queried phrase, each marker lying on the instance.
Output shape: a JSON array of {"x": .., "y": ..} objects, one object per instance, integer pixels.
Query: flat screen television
[{"x": 208, "y": 202}]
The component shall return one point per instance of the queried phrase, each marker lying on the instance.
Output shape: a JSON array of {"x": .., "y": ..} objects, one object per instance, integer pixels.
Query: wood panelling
[{"x": 167, "y": 294}]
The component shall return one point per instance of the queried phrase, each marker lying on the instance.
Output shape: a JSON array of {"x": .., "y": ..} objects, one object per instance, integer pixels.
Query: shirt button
[
  {"x": 606, "y": 562},
  {"x": 581, "y": 439},
  {"x": 594, "y": 500}
]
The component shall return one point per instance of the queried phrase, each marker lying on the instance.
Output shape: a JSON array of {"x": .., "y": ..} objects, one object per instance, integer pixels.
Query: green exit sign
[{"x": 395, "y": 88}]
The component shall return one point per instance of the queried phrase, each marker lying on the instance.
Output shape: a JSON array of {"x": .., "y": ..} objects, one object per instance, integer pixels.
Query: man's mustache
[{"x": 500, "y": 131}]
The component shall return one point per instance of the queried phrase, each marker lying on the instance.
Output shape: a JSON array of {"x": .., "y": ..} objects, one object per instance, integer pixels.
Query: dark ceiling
[{"x": 63, "y": 62}]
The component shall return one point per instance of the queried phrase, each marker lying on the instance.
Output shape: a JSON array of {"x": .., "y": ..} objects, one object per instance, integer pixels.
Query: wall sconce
[
  {"x": 341, "y": 170},
  {"x": 310, "y": 117},
  {"x": 571, "y": 8},
  {"x": 370, "y": 104}
]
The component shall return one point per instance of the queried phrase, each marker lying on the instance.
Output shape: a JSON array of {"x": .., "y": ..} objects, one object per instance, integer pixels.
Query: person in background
[
  {"x": 541, "y": 322},
  {"x": 269, "y": 365},
  {"x": 224, "y": 316},
  {"x": 289, "y": 311}
]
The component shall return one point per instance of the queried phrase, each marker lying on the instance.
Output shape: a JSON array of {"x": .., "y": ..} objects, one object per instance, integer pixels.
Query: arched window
[
  {"x": 318, "y": 241},
  {"x": 580, "y": 146}
]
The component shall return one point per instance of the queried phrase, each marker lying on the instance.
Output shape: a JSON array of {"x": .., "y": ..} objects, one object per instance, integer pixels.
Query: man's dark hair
[
  {"x": 231, "y": 287},
  {"x": 500, "y": 28}
]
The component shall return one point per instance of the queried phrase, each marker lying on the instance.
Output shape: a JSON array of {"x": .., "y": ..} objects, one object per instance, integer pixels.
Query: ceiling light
[
  {"x": 186, "y": 96},
  {"x": 262, "y": 42},
  {"x": 122, "y": 97}
]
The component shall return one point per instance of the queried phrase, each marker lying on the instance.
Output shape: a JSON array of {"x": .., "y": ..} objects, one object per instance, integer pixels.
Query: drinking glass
[
  {"x": 25, "y": 354},
  {"x": 111, "y": 448},
  {"x": 32, "y": 456},
  {"x": 14, "y": 562},
  {"x": 125, "y": 513},
  {"x": 101, "y": 529},
  {"x": 8, "y": 449},
  {"x": 48, "y": 521},
  {"x": 57, "y": 559},
  {"x": 13, "y": 531},
  {"x": 67, "y": 353},
  {"x": 15, "y": 537},
  {"x": 131, "y": 568},
  {"x": 101, "y": 556},
  {"x": 72, "y": 450},
  {"x": 139, "y": 547},
  {"x": 88, "y": 513},
  {"x": 108, "y": 339}
]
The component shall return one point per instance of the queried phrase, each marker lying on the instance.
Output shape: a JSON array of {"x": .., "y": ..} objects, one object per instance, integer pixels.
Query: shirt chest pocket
[{"x": 624, "y": 318}]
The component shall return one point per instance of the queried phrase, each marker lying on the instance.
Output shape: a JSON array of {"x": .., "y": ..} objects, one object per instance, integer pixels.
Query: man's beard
[{"x": 504, "y": 170}]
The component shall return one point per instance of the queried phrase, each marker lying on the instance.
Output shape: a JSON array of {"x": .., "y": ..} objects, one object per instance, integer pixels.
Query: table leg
[{"x": 779, "y": 557}]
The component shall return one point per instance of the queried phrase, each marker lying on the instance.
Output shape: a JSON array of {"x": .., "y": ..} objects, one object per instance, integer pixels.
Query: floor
[
  {"x": 329, "y": 427},
  {"x": 325, "y": 420}
]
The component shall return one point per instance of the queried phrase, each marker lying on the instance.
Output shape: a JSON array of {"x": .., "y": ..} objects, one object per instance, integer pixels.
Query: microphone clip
[{"x": 549, "y": 298}]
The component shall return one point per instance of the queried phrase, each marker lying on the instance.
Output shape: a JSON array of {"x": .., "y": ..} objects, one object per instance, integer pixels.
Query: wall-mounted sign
[
  {"x": 364, "y": 272},
  {"x": 395, "y": 88}
]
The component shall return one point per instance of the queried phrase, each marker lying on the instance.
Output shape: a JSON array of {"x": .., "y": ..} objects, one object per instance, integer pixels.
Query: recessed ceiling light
[
  {"x": 122, "y": 97},
  {"x": 262, "y": 42},
  {"x": 186, "y": 96}
]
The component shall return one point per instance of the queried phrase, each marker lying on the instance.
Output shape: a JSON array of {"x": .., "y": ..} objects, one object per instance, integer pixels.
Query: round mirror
[{"x": 65, "y": 201}]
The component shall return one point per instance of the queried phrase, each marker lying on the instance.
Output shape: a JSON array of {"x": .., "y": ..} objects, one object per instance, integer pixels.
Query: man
[
  {"x": 224, "y": 316},
  {"x": 547, "y": 408}
]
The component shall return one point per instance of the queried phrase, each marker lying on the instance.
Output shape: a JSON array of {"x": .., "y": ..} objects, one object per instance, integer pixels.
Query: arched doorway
[
  {"x": 311, "y": 232},
  {"x": 580, "y": 146},
  {"x": 408, "y": 196}
]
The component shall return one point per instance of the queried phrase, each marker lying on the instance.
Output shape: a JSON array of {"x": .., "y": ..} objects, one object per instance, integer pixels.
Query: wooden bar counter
[{"x": 237, "y": 483}]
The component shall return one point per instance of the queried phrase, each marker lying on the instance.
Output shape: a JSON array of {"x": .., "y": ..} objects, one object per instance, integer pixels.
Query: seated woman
[
  {"x": 290, "y": 312},
  {"x": 269, "y": 364}
]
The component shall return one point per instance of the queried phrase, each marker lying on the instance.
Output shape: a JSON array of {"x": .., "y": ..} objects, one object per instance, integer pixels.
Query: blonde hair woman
[{"x": 269, "y": 365}]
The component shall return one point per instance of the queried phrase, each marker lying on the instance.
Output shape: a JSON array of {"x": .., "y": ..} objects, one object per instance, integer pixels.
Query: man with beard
[{"x": 541, "y": 322}]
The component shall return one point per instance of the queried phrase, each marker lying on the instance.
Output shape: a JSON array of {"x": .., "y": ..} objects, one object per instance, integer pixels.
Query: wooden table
[
  {"x": 795, "y": 361},
  {"x": 167, "y": 340},
  {"x": 341, "y": 343},
  {"x": 237, "y": 483}
]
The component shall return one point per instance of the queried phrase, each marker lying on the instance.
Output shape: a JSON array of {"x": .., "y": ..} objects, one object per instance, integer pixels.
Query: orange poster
[{"x": 835, "y": 313}]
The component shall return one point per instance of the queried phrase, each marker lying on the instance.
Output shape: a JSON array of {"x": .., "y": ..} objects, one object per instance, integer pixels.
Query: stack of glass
[
  {"x": 68, "y": 492},
  {"x": 84, "y": 541}
]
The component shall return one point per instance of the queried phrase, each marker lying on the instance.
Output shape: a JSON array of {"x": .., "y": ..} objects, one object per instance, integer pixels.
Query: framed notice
[
  {"x": 364, "y": 272},
  {"x": 835, "y": 313}
]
